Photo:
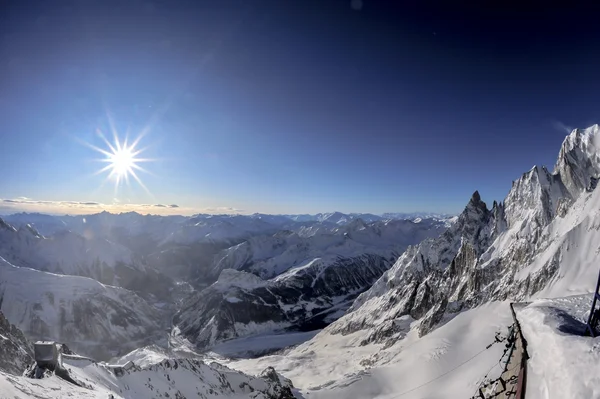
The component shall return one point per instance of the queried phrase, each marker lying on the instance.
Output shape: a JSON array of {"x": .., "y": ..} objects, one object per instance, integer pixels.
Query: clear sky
[{"x": 286, "y": 106}]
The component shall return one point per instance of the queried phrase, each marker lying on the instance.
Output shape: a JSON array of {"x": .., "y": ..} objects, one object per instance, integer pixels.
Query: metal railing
[{"x": 513, "y": 379}]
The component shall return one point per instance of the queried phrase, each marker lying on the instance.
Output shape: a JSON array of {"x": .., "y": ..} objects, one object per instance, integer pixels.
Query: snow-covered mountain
[
  {"x": 513, "y": 250},
  {"x": 303, "y": 282},
  {"x": 93, "y": 318},
  {"x": 436, "y": 310},
  {"x": 42, "y": 223},
  {"x": 312, "y": 272},
  {"x": 63, "y": 253},
  {"x": 337, "y": 218}
]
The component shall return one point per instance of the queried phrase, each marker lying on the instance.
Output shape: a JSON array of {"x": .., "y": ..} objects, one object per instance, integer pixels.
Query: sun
[{"x": 122, "y": 160}]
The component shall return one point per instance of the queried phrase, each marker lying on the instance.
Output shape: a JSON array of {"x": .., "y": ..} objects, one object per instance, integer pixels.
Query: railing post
[{"x": 592, "y": 319}]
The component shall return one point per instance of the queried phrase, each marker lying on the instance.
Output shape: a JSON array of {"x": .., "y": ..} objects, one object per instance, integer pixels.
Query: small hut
[{"x": 46, "y": 354}]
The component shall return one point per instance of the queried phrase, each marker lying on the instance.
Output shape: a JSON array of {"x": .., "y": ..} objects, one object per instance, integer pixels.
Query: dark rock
[{"x": 16, "y": 353}]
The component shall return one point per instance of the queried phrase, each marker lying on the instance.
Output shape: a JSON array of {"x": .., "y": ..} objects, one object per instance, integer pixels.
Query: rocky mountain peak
[
  {"x": 6, "y": 226},
  {"x": 536, "y": 193},
  {"x": 473, "y": 220},
  {"x": 29, "y": 230},
  {"x": 476, "y": 205},
  {"x": 475, "y": 198}
]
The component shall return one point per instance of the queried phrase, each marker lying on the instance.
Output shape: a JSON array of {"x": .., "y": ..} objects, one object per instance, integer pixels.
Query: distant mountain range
[{"x": 115, "y": 280}]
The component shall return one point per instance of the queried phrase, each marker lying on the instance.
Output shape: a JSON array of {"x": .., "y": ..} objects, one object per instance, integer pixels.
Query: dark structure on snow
[{"x": 46, "y": 354}]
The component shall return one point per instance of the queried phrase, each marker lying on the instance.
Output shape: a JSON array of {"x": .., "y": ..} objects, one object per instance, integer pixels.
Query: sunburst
[{"x": 122, "y": 160}]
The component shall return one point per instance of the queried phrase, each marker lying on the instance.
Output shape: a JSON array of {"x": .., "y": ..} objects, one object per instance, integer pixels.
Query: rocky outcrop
[
  {"x": 280, "y": 386},
  {"x": 16, "y": 352}
]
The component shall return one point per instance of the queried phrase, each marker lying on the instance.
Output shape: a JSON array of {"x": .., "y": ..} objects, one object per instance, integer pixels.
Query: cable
[
  {"x": 511, "y": 339},
  {"x": 442, "y": 375},
  {"x": 497, "y": 339},
  {"x": 485, "y": 384}
]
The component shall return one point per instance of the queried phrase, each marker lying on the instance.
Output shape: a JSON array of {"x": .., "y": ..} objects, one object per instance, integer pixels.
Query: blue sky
[{"x": 286, "y": 107}]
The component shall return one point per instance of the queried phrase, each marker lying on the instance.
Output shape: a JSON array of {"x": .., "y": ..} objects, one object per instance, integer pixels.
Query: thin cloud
[
  {"x": 24, "y": 204},
  {"x": 222, "y": 210},
  {"x": 80, "y": 203}
]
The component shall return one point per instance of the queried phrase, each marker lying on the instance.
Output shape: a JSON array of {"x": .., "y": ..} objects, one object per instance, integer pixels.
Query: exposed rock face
[
  {"x": 511, "y": 251},
  {"x": 16, "y": 353},
  {"x": 280, "y": 386},
  {"x": 536, "y": 191}
]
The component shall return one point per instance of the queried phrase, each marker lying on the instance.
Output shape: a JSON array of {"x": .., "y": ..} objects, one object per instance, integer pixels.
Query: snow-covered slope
[
  {"x": 92, "y": 318},
  {"x": 448, "y": 363},
  {"x": 452, "y": 361},
  {"x": 563, "y": 362}
]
